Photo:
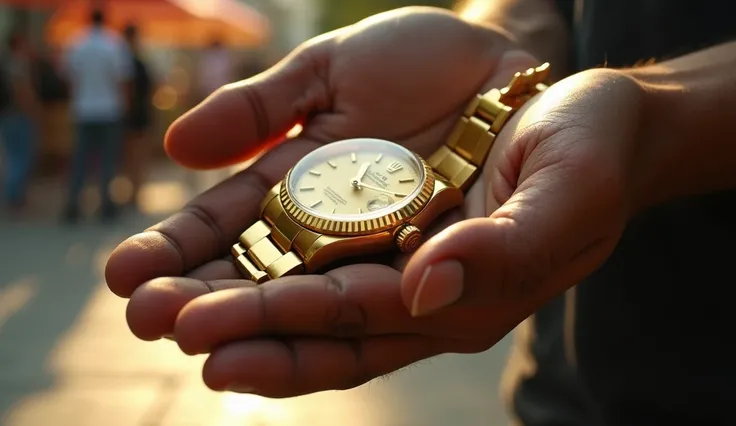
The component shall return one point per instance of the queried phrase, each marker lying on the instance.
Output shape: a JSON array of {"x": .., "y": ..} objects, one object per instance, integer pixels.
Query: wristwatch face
[{"x": 356, "y": 180}]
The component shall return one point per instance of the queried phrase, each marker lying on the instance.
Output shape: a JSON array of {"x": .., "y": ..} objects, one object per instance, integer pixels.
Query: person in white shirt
[{"x": 99, "y": 68}]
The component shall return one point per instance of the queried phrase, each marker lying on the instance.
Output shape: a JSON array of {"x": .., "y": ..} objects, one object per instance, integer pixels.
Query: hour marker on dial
[
  {"x": 315, "y": 204},
  {"x": 312, "y": 172},
  {"x": 353, "y": 158},
  {"x": 306, "y": 188},
  {"x": 333, "y": 165},
  {"x": 333, "y": 210},
  {"x": 360, "y": 210},
  {"x": 394, "y": 167},
  {"x": 378, "y": 159},
  {"x": 408, "y": 180},
  {"x": 400, "y": 195}
]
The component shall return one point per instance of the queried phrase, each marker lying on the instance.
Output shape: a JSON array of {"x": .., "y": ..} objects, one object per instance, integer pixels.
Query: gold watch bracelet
[
  {"x": 461, "y": 158},
  {"x": 272, "y": 250}
]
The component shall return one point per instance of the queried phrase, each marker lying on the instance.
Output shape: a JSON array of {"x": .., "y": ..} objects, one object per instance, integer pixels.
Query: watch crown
[{"x": 409, "y": 238}]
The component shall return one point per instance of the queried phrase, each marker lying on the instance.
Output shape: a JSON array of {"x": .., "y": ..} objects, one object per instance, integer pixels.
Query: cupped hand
[{"x": 546, "y": 212}]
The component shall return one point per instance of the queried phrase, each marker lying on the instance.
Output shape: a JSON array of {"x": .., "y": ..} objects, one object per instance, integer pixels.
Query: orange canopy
[
  {"x": 33, "y": 4},
  {"x": 176, "y": 23}
]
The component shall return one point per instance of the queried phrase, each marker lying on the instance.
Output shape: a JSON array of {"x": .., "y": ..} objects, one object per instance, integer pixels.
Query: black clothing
[
  {"x": 650, "y": 339},
  {"x": 139, "y": 117}
]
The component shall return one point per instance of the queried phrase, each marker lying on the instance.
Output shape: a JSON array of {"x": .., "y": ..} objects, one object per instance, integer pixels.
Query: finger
[
  {"x": 205, "y": 228},
  {"x": 220, "y": 269},
  {"x": 242, "y": 119},
  {"x": 154, "y": 306},
  {"x": 348, "y": 302},
  {"x": 291, "y": 367},
  {"x": 470, "y": 260}
]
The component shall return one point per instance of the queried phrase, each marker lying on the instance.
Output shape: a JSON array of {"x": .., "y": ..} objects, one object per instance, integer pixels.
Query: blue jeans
[
  {"x": 104, "y": 138},
  {"x": 17, "y": 133}
]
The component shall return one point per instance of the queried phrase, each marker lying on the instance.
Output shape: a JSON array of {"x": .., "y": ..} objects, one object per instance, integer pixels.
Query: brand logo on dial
[
  {"x": 378, "y": 179},
  {"x": 395, "y": 166}
]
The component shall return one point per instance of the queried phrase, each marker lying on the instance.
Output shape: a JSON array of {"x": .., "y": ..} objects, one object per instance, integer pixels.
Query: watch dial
[{"x": 356, "y": 179}]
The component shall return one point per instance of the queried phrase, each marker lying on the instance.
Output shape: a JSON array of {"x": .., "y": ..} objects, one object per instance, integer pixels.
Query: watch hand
[
  {"x": 356, "y": 181},
  {"x": 363, "y": 170},
  {"x": 395, "y": 194}
]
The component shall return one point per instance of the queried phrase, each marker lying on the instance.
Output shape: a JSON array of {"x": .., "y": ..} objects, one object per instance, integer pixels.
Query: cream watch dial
[{"x": 356, "y": 179}]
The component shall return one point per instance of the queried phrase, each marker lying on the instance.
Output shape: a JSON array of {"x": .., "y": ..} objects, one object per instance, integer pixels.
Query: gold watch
[{"x": 365, "y": 196}]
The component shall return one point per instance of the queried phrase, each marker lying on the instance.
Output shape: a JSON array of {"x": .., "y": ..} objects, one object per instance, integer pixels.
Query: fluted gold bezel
[{"x": 359, "y": 227}]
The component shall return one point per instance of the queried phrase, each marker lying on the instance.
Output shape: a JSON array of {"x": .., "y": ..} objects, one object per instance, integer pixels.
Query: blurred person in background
[
  {"x": 137, "y": 148},
  {"x": 20, "y": 113},
  {"x": 251, "y": 66},
  {"x": 215, "y": 68},
  {"x": 54, "y": 132},
  {"x": 99, "y": 69}
]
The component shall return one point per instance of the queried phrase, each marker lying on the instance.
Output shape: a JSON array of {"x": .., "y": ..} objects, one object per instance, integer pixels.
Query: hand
[{"x": 547, "y": 210}]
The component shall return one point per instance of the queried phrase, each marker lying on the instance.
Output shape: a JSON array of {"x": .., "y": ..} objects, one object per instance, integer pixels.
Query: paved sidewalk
[{"x": 68, "y": 358}]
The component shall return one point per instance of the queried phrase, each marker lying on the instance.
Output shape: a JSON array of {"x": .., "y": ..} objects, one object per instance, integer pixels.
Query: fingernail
[
  {"x": 441, "y": 285},
  {"x": 169, "y": 337},
  {"x": 241, "y": 389}
]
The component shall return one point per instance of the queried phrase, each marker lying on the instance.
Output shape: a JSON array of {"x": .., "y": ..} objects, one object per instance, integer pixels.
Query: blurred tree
[{"x": 338, "y": 13}]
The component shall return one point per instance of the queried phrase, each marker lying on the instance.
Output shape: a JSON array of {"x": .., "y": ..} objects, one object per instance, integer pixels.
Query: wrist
[
  {"x": 683, "y": 147},
  {"x": 648, "y": 167},
  {"x": 659, "y": 156},
  {"x": 534, "y": 26}
]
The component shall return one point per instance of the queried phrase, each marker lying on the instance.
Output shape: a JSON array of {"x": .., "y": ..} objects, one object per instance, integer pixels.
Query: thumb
[
  {"x": 242, "y": 119},
  {"x": 446, "y": 269},
  {"x": 532, "y": 249}
]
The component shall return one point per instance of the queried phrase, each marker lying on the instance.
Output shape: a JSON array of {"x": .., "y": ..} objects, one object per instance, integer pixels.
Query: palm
[
  {"x": 378, "y": 78},
  {"x": 384, "y": 79}
]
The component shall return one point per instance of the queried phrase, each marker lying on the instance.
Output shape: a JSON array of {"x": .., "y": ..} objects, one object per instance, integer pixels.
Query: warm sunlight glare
[
  {"x": 165, "y": 98},
  {"x": 180, "y": 79},
  {"x": 100, "y": 374},
  {"x": 121, "y": 190},
  {"x": 76, "y": 254},
  {"x": 15, "y": 296},
  {"x": 91, "y": 200},
  {"x": 474, "y": 10},
  {"x": 242, "y": 409},
  {"x": 162, "y": 197},
  {"x": 295, "y": 131}
]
